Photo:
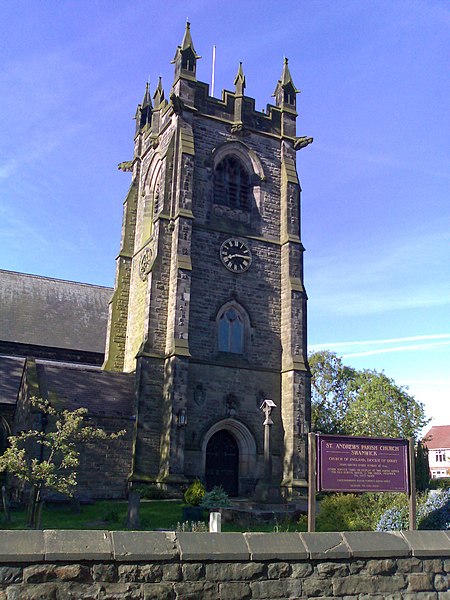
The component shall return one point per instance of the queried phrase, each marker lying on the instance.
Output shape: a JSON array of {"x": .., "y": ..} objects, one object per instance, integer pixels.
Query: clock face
[{"x": 235, "y": 255}]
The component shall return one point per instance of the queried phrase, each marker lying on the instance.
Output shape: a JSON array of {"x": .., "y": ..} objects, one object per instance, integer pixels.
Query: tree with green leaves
[
  {"x": 350, "y": 402},
  {"x": 56, "y": 468},
  {"x": 331, "y": 392}
]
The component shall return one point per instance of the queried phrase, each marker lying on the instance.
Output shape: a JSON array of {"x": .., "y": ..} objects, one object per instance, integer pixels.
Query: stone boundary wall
[{"x": 85, "y": 565}]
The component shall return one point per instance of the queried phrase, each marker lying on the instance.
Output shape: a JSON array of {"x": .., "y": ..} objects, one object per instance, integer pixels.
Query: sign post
[
  {"x": 412, "y": 486},
  {"x": 312, "y": 460}
]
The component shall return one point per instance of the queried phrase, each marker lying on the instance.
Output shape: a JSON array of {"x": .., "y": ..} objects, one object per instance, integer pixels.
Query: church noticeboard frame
[
  {"x": 338, "y": 463},
  {"x": 362, "y": 464}
]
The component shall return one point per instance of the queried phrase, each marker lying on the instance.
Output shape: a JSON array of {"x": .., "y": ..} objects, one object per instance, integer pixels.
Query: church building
[{"x": 208, "y": 314}]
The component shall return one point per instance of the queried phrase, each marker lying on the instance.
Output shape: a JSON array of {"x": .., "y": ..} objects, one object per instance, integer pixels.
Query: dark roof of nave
[
  {"x": 103, "y": 393},
  {"x": 52, "y": 312},
  {"x": 11, "y": 370}
]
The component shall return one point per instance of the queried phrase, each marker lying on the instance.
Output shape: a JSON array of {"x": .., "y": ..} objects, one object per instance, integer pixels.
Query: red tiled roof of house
[{"x": 438, "y": 437}]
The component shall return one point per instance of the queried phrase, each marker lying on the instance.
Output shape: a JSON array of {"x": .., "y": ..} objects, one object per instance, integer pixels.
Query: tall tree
[
  {"x": 350, "y": 402},
  {"x": 380, "y": 407},
  {"x": 331, "y": 391}
]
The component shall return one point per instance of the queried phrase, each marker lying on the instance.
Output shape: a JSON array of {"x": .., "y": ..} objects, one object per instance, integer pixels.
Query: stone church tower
[{"x": 209, "y": 306}]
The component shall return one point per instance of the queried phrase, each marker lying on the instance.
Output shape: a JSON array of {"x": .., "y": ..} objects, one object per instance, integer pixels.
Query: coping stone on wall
[
  {"x": 21, "y": 546},
  {"x": 374, "y": 544},
  {"x": 66, "y": 544},
  {"x": 325, "y": 545},
  {"x": 144, "y": 545},
  {"x": 213, "y": 546},
  {"x": 428, "y": 543},
  {"x": 281, "y": 546}
]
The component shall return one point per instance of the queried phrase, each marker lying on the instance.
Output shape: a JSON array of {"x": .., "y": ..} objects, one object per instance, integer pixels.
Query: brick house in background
[
  {"x": 208, "y": 313},
  {"x": 437, "y": 440}
]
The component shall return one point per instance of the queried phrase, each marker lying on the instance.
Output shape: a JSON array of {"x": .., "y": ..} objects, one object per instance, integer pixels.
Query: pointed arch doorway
[{"x": 222, "y": 462}]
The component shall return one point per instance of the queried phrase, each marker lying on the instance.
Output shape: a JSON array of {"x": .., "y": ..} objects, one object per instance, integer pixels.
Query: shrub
[
  {"x": 433, "y": 512},
  {"x": 216, "y": 498},
  {"x": 152, "y": 492},
  {"x": 394, "y": 519},
  {"x": 195, "y": 493},
  {"x": 338, "y": 512}
]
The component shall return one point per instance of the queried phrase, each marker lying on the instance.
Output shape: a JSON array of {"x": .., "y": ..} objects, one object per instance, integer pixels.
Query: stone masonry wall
[{"x": 82, "y": 565}]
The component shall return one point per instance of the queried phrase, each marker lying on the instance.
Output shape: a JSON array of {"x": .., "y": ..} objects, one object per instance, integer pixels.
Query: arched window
[
  {"x": 231, "y": 331},
  {"x": 232, "y": 184}
]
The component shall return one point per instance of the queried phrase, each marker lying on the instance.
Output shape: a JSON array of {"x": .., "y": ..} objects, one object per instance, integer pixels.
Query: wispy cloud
[
  {"x": 372, "y": 347},
  {"x": 406, "y": 348},
  {"x": 412, "y": 338}
]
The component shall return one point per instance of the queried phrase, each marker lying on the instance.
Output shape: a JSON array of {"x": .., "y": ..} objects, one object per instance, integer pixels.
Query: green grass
[
  {"x": 103, "y": 514},
  {"x": 112, "y": 515}
]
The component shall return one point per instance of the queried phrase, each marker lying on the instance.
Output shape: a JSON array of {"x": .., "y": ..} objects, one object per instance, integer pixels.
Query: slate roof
[
  {"x": 438, "y": 437},
  {"x": 53, "y": 312},
  {"x": 104, "y": 393},
  {"x": 11, "y": 370}
]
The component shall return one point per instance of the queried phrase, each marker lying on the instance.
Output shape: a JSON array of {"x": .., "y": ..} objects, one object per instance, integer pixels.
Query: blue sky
[{"x": 375, "y": 87}]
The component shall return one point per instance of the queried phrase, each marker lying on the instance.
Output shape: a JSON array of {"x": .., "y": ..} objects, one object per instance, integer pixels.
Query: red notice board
[{"x": 362, "y": 464}]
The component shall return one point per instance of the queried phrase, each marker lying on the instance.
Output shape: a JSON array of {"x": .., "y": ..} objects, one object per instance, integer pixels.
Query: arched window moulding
[
  {"x": 233, "y": 329},
  {"x": 250, "y": 161}
]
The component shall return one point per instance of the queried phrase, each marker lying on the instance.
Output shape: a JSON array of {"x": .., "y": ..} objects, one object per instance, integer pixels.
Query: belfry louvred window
[{"x": 232, "y": 184}]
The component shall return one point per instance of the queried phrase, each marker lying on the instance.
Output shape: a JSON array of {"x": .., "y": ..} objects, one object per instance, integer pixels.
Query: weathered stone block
[
  {"x": 356, "y": 566},
  {"x": 214, "y": 546},
  {"x": 442, "y": 583},
  {"x": 73, "y": 573},
  {"x": 284, "y": 588},
  {"x": 279, "y": 570},
  {"x": 10, "y": 574},
  {"x": 140, "y": 573},
  {"x": 239, "y": 590},
  {"x": 118, "y": 591},
  {"x": 172, "y": 572},
  {"x": 157, "y": 591},
  {"x": 420, "y": 582},
  {"x": 313, "y": 586},
  {"x": 193, "y": 571},
  {"x": 433, "y": 565},
  {"x": 365, "y": 584},
  {"x": 104, "y": 572},
  {"x": 77, "y": 545},
  {"x": 374, "y": 544},
  {"x": 282, "y": 546},
  {"x": 421, "y": 596},
  {"x": 21, "y": 546},
  {"x": 77, "y": 591},
  {"x": 43, "y": 591},
  {"x": 381, "y": 567},
  {"x": 195, "y": 590},
  {"x": 39, "y": 573},
  {"x": 300, "y": 570},
  {"x": 324, "y": 545},
  {"x": 332, "y": 569},
  {"x": 143, "y": 545},
  {"x": 234, "y": 571},
  {"x": 409, "y": 565}
]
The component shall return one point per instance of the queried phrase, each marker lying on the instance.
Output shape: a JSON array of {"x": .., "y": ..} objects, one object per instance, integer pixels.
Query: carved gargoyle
[
  {"x": 302, "y": 142},
  {"x": 125, "y": 166},
  {"x": 177, "y": 103}
]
